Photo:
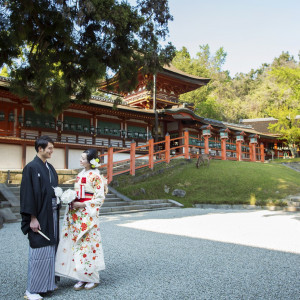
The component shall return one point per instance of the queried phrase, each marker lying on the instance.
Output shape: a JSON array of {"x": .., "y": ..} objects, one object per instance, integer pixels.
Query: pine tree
[{"x": 56, "y": 50}]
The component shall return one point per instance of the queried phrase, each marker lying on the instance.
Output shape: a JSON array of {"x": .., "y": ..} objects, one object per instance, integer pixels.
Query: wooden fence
[{"x": 168, "y": 149}]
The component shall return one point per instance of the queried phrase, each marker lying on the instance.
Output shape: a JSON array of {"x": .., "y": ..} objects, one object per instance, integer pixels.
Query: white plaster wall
[
  {"x": 58, "y": 158},
  {"x": 11, "y": 156},
  {"x": 74, "y": 157},
  {"x": 30, "y": 154}
]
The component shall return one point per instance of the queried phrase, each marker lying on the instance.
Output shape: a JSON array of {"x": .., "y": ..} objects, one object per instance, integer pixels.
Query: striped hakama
[{"x": 41, "y": 263}]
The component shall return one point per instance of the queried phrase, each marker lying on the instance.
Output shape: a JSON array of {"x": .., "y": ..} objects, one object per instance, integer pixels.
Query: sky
[{"x": 252, "y": 32}]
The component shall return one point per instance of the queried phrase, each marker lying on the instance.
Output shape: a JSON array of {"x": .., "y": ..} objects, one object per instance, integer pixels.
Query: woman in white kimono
[{"x": 80, "y": 255}]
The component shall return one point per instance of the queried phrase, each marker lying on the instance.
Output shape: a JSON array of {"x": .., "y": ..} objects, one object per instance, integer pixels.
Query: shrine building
[{"x": 102, "y": 124}]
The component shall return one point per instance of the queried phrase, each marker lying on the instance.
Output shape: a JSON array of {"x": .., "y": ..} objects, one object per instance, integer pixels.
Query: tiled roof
[
  {"x": 173, "y": 69},
  {"x": 260, "y": 124}
]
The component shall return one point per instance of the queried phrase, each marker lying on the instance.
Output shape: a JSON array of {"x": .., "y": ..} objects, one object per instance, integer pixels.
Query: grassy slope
[{"x": 228, "y": 182}]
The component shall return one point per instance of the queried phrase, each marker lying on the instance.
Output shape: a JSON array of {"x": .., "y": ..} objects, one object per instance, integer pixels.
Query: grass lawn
[{"x": 224, "y": 182}]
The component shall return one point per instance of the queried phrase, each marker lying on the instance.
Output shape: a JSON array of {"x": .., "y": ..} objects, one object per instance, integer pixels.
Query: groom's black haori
[{"x": 38, "y": 200}]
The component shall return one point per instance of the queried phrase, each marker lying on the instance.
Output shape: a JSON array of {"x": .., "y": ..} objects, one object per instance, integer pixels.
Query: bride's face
[{"x": 83, "y": 161}]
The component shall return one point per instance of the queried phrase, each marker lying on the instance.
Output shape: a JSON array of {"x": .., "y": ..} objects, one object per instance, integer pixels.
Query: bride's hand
[{"x": 76, "y": 204}]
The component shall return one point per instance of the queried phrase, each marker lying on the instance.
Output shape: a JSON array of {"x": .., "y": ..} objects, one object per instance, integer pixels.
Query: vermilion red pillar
[
  {"x": 239, "y": 150},
  {"x": 151, "y": 151},
  {"x": 167, "y": 148},
  {"x": 186, "y": 145},
  {"x": 206, "y": 144},
  {"x": 223, "y": 148},
  {"x": 110, "y": 161},
  {"x": 132, "y": 158},
  {"x": 262, "y": 152}
]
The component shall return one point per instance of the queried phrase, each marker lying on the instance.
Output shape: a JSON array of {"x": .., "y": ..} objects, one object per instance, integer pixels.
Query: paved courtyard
[{"x": 180, "y": 254}]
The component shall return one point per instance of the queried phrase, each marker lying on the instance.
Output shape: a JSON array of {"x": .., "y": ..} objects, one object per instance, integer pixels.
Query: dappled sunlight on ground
[{"x": 256, "y": 228}]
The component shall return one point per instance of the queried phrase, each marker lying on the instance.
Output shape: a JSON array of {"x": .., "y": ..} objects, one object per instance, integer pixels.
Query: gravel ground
[{"x": 180, "y": 254}]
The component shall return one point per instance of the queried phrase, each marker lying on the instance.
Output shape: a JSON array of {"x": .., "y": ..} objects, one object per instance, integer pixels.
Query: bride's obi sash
[{"x": 88, "y": 196}]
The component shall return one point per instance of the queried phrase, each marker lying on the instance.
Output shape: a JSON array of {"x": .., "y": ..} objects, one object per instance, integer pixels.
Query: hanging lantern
[
  {"x": 123, "y": 133},
  {"x": 85, "y": 129},
  {"x": 11, "y": 117},
  {"x": 105, "y": 130},
  {"x": 253, "y": 140},
  {"x": 47, "y": 123},
  {"x": 129, "y": 133},
  {"x": 58, "y": 123},
  {"x": 240, "y": 138},
  {"x": 28, "y": 122},
  {"x": 21, "y": 119},
  {"x": 223, "y": 134},
  {"x": 52, "y": 124},
  {"x": 79, "y": 127},
  {"x": 2, "y": 116},
  {"x": 66, "y": 125},
  {"x": 99, "y": 130},
  {"x": 206, "y": 132},
  {"x": 73, "y": 126},
  {"x": 92, "y": 129}
]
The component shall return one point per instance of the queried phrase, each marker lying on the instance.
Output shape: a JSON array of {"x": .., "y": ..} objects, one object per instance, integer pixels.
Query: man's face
[{"x": 47, "y": 152}]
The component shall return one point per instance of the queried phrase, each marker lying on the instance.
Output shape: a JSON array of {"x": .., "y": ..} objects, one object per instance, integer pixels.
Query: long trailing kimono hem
[{"x": 80, "y": 254}]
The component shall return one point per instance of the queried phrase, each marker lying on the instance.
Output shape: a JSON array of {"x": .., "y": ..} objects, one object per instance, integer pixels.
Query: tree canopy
[
  {"x": 55, "y": 50},
  {"x": 273, "y": 90},
  {"x": 255, "y": 94}
]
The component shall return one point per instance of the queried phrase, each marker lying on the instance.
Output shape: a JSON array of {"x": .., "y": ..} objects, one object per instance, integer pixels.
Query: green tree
[
  {"x": 287, "y": 77},
  {"x": 288, "y": 126},
  {"x": 59, "y": 49},
  {"x": 4, "y": 72}
]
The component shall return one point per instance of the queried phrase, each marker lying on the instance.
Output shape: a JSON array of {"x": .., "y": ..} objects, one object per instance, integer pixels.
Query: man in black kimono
[{"x": 40, "y": 212}]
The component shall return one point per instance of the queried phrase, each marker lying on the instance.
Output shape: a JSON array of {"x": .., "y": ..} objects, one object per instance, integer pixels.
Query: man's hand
[{"x": 34, "y": 224}]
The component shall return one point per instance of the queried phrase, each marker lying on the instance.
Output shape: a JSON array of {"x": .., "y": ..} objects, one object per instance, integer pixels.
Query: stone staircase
[
  {"x": 114, "y": 203},
  {"x": 293, "y": 203},
  {"x": 118, "y": 167}
]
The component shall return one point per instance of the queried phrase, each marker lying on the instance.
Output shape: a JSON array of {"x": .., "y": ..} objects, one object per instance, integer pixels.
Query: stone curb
[{"x": 243, "y": 206}]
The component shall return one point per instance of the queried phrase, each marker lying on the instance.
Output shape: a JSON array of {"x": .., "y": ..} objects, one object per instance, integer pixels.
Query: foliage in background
[
  {"x": 58, "y": 49},
  {"x": 253, "y": 95}
]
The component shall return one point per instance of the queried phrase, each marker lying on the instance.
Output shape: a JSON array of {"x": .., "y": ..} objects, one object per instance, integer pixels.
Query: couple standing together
[{"x": 78, "y": 253}]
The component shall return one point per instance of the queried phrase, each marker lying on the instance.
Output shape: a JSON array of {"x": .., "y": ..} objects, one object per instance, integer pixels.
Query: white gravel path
[{"x": 180, "y": 254}]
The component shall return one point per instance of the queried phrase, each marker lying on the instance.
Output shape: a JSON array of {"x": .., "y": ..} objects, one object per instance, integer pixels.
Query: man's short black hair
[{"x": 42, "y": 141}]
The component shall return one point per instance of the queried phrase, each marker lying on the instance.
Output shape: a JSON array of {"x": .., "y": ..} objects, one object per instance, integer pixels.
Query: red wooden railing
[{"x": 163, "y": 152}]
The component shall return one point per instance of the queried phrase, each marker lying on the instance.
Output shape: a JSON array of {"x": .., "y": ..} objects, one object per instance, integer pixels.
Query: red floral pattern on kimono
[{"x": 79, "y": 254}]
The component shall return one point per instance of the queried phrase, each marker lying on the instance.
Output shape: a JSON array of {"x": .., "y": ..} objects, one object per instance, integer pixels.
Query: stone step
[
  {"x": 295, "y": 199},
  {"x": 4, "y": 204},
  {"x": 291, "y": 208},
  {"x": 134, "y": 208},
  {"x": 115, "y": 199},
  {"x": 110, "y": 195},
  {"x": 113, "y": 204}
]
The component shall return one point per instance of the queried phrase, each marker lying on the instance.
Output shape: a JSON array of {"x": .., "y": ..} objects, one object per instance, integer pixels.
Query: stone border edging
[
  {"x": 175, "y": 202},
  {"x": 244, "y": 206}
]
